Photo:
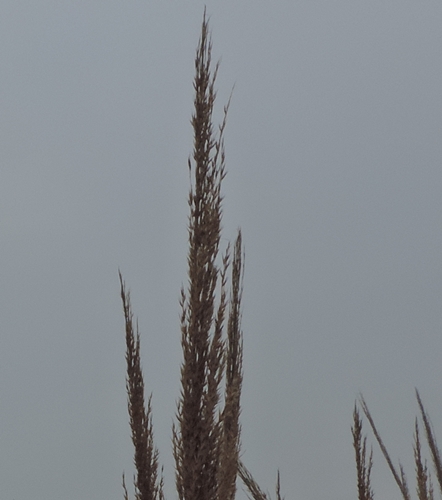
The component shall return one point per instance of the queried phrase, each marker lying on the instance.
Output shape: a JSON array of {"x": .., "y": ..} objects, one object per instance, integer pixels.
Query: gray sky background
[{"x": 334, "y": 174}]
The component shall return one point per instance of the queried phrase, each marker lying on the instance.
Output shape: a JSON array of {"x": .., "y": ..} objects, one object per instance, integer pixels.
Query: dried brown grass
[
  {"x": 364, "y": 462},
  {"x": 147, "y": 484},
  {"x": 255, "y": 492},
  {"x": 206, "y": 436},
  {"x": 206, "y": 442},
  {"x": 424, "y": 486}
]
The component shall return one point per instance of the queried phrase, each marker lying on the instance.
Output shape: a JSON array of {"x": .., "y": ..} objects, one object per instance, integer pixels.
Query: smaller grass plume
[{"x": 424, "y": 483}]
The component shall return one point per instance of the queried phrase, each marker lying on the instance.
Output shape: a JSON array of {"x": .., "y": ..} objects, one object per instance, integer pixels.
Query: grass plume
[
  {"x": 252, "y": 486},
  {"x": 146, "y": 482},
  {"x": 364, "y": 462},
  {"x": 431, "y": 440},
  {"x": 206, "y": 439},
  {"x": 399, "y": 477},
  {"x": 255, "y": 491},
  {"x": 424, "y": 487},
  {"x": 206, "y": 435}
]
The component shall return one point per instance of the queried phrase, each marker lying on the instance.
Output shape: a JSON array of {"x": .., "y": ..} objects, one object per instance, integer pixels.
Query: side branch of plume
[
  {"x": 147, "y": 484},
  {"x": 364, "y": 462},
  {"x": 230, "y": 441},
  {"x": 431, "y": 440}
]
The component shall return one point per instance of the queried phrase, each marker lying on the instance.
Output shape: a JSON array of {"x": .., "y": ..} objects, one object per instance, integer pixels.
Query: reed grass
[
  {"x": 206, "y": 435},
  {"x": 207, "y": 430},
  {"x": 147, "y": 484},
  {"x": 206, "y": 444},
  {"x": 424, "y": 485},
  {"x": 364, "y": 462}
]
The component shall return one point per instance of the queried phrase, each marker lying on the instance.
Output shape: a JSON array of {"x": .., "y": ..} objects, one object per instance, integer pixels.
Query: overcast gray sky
[{"x": 334, "y": 174}]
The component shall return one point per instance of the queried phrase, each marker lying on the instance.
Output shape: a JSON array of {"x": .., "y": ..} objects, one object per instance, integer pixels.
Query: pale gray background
[{"x": 334, "y": 158}]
